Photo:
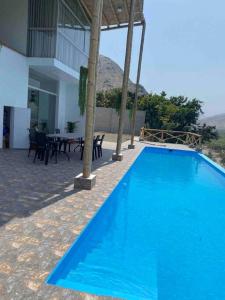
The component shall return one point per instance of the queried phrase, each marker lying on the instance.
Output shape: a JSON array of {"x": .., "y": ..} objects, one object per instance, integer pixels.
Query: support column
[
  {"x": 86, "y": 180},
  {"x": 118, "y": 156},
  {"x": 134, "y": 113}
]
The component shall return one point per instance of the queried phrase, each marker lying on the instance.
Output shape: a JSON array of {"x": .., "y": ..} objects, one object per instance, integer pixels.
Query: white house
[{"x": 43, "y": 44}]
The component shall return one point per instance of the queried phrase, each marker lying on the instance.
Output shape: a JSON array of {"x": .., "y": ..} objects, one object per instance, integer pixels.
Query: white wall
[
  {"x": 67, "y": 108},
  {"x": 61, "y": 106},
  {"x": 72, "y": 108},
  {"x": 13, "y": 24},
  {"x": 19, "y": 124},
  {"x": 13, "y": 87},
  {"x": 13, "y": 78},
  {"x": 1, "y": 126}
]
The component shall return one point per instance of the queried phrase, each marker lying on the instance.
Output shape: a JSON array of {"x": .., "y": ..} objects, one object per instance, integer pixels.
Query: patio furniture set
[{"x": 48, "y": 146}]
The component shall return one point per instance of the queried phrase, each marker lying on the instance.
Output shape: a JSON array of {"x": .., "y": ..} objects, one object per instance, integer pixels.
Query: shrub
[{"x": 217, "y": 145}]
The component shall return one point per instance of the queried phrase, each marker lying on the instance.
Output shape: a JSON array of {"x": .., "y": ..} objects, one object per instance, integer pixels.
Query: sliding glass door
[{"x": 42, "y": 107}]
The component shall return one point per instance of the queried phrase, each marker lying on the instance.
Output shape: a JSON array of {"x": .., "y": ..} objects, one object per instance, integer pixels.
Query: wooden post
[
  {"x": 134, "y": 113},
  {"x": 142, "y": 134},
  {"x": 118, "y": 155},
  {"x": 87, "y": 180}
]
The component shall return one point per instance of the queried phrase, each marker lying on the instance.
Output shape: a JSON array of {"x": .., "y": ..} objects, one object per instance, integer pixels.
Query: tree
[
  {"x": 176, "y": 113},
  {"x": 208, "y": 133},
  {"x": 112, "y": 99}
]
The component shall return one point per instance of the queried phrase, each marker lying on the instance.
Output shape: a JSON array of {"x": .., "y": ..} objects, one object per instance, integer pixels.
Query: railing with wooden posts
[{"x": 190, "y": 139}]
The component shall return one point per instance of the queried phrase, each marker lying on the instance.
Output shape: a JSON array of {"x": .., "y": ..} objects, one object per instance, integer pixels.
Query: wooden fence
[{"x": 190, "y": 139}]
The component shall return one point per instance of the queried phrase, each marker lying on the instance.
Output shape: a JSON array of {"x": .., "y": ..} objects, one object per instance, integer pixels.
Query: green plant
[
  {"x": 71, "y": 127},
  {"x": 208, "y": 133},
  {"x": 217, "y": 145},
  {"x": 83, "y": 89}
]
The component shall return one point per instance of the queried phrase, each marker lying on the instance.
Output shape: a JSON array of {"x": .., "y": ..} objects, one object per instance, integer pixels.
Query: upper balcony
[{"x": 59, "y": 30}]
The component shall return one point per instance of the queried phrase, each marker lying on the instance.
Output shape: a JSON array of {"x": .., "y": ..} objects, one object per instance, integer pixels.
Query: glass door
[{"x": 42, "y": 107}]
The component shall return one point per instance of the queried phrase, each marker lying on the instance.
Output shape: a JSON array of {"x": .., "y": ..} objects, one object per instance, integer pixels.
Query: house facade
[{"x": 43, "y": 44}]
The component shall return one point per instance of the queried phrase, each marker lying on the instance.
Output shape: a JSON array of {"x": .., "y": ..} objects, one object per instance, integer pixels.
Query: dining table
[
  {"x": 64, "y": 136},
  {"x": 64, "y": 139}
]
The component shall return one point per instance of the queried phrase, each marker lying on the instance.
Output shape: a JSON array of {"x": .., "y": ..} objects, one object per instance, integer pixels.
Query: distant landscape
[
  {"x": 110, "y": 76},
  {"x": 162, "y": 112},
  {"x": 217, "y": 120}
]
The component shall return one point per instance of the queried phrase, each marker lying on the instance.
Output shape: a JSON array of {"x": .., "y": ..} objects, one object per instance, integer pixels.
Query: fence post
[{"x": 142, "y": 134}]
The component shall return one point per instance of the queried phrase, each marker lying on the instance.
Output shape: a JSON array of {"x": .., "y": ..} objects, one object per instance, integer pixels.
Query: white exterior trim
[
  {"x": 53, "y": 67},
  {"x": 41, "y": 90}
]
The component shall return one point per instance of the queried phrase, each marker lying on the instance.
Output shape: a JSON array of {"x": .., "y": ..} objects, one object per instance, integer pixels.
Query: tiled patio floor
[{"x": 41, "y": 215}]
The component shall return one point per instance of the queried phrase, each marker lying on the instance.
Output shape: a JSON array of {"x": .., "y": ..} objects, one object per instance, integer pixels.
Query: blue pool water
[{"x": 160, "y": 235}]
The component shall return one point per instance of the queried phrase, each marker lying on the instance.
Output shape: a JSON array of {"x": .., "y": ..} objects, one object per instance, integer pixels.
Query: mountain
[
  {"x": 218, "y": 121},
  {"x": 110, "y": 76}
]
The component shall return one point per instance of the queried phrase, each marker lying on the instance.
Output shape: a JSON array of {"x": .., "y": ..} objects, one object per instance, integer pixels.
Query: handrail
[{"x": 190, "y": 139}]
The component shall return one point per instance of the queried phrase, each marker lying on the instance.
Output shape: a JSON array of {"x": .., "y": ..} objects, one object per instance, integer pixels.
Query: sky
[{"x": 184, "y": 50}]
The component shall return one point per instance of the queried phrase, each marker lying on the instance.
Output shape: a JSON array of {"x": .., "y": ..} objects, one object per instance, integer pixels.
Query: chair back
[
  {"x": 41, "y": 139},
  {"x": 80, "y": 141},
  {"x": 32, "y": 135},
  {"x": 96, "y": 140},
  {"x": 102, "y": 139}
]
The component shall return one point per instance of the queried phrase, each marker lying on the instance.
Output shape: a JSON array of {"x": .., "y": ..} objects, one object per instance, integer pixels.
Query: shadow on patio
[{"x": 26, "y": 187}]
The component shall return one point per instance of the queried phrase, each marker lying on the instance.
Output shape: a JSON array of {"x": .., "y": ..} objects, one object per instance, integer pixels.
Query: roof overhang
[{"x": 116, "y": 13}]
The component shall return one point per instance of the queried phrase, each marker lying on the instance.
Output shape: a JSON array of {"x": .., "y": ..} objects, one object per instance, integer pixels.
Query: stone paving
[{"x": 41, "y": 215}]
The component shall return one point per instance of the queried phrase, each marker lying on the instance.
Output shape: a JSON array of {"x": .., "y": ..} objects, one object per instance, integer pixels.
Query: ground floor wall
[
  {"x": 20, "y": 122},
  {"x": 1, "y": 127},
  {"x": 67, "y": 108},
  {"x": 14, "y": 73},
  {"x": 16, "y": 79},
  {"x": 107, "y": 119}
]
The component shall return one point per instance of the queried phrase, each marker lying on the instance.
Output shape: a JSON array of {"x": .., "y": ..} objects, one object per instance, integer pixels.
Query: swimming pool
[{"x": 160, "y": 234}]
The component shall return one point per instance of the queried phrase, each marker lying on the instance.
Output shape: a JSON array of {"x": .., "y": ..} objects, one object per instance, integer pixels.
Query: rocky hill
[
  {"x": 110, "y": 76},
  {"x": 218, "y": 121}
]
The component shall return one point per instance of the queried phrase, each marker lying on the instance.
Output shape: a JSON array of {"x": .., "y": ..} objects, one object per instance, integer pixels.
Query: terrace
[
  {"x": 41, "y": 215},
  {"x": 163, "y": 238}
]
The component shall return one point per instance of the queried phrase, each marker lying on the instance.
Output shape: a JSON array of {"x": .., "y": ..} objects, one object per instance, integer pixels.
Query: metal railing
[{"x": 190, "y": 139}]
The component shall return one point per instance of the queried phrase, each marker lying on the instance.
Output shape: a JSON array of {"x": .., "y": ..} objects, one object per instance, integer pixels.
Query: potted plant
[{"x": 71, "y": 127}]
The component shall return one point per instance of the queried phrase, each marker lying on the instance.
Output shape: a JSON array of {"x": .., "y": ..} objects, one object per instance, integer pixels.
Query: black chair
[
  {"x": 57, "y": 131},
  {"x": 53, "y": 147},
  {"x": 81, "y": 144},
  {"x": 95, "y": 147},
  {"x": 99, "y": 146},
  {"x": 32, "y": 141},
  {"x": 42, "y": 149},
  {"x": 94, "y": 150}
]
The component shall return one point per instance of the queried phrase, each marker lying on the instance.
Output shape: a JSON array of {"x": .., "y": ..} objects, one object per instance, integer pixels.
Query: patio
[{"x": 41, "y": 215}]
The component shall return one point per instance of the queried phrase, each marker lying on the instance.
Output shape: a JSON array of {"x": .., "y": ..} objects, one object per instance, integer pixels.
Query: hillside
[
  {"x": 110, "y": 76},
  {"x": 218, "y": 121}
]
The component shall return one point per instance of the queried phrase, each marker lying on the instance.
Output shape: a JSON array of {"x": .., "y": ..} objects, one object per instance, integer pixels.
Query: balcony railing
[{"x": 190, "y": 139}]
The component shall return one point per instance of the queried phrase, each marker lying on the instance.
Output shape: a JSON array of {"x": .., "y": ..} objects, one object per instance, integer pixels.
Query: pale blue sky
[{"x": 184, "y": 50}]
